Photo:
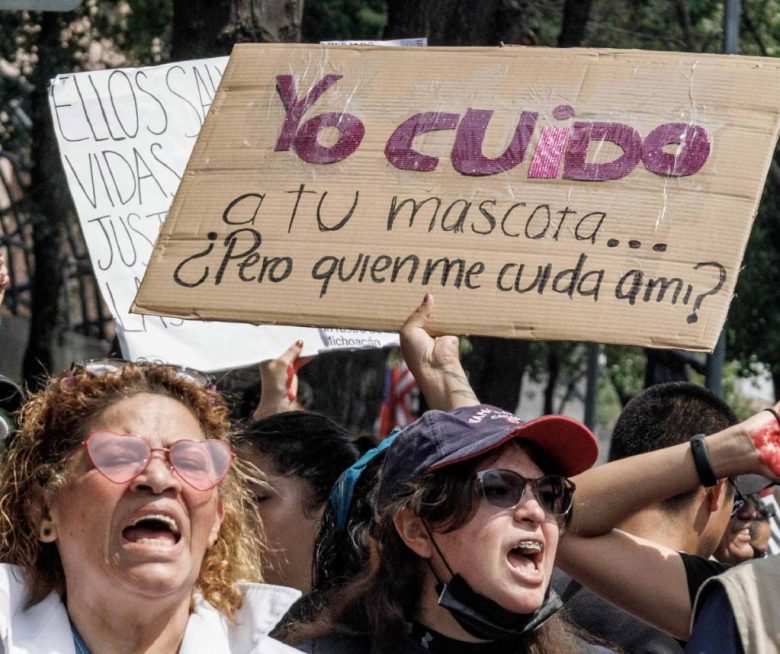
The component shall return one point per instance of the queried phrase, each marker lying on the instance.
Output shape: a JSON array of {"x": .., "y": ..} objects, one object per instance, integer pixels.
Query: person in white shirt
[{"x": 123, "y": 520}]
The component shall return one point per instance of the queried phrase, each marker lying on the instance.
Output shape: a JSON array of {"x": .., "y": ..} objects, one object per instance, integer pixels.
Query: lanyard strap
[{"x": 78, "y": 641}]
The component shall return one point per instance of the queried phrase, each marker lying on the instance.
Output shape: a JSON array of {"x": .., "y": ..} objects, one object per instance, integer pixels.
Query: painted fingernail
[{"x": 299, "y": 343}]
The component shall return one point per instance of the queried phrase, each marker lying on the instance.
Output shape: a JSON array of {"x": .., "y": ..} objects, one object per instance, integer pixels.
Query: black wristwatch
[{"x": 701, "y": 460}]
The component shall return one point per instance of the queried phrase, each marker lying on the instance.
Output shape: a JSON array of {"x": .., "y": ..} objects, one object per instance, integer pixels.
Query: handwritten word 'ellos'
[
  {"x": 558, "y": 147},
  {"x": 110, "y": 108}
]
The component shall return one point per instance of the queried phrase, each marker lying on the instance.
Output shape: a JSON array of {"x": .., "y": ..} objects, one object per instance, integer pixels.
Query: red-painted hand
[{"x": 766, "y": 438}]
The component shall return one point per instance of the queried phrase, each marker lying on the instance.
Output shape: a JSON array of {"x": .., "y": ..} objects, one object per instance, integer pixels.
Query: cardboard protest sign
[
  {"x": 537, "y": 193},
  {"x": 125, "y": 136}
]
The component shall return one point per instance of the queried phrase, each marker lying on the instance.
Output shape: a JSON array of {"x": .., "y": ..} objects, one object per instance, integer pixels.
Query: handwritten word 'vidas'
[{"x": 561, "y": 149}]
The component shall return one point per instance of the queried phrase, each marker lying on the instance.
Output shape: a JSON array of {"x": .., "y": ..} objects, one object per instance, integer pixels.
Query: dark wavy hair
[
  {"x": 340, "y": 555},
  {"x": 379, "y": 604},
  {"x": 306, "y": 445}
]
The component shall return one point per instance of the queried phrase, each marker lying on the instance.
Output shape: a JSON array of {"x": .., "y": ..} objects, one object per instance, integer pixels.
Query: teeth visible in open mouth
[
  {"x": 528, "y": 547},
  {"x": 157, "y": 517}
]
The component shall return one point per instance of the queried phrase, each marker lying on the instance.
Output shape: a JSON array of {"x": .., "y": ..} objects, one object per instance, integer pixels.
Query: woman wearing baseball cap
[{"x": 469, "y": 510}]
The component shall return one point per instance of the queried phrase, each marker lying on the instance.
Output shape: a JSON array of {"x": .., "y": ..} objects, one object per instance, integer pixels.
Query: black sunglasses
[
  {"x": 504, "y": 489},
  {"x": 739, "y": 499},
  {"x": 766, "y": 511}
]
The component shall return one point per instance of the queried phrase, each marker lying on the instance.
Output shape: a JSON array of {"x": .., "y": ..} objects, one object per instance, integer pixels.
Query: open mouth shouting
[
  {"x": 153, "y": 529},
  {"x": 526, "y": 557}
]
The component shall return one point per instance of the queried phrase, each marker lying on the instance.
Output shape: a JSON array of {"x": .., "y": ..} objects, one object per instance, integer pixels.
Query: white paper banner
[{"x": 125, "y": 136}]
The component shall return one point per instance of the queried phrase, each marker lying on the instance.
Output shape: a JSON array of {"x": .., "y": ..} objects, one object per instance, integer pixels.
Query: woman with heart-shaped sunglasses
[{"x": 123, "y": 520}]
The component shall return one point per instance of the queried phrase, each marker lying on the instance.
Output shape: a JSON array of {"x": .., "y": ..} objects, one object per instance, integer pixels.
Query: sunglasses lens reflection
[
  {"x": 553, "y": 494},
  {"x": 120, "y": 458},
  {"x": 202, "y": 464},
  {"x": 739, "y": 499},
  {"x": 504, "y": 489}
]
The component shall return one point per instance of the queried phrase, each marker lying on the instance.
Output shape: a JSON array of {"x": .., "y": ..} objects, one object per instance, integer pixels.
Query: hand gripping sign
[{"x": 538, "y": 193}]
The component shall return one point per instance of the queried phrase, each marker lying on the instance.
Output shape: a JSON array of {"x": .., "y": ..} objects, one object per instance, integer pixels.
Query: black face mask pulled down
[
  {"x": 480, "y": 616},
  {"x": 485, "y": 619}
]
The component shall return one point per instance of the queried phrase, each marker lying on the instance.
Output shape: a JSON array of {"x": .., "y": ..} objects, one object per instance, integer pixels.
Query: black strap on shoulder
[{"x": 572, "y": 588}]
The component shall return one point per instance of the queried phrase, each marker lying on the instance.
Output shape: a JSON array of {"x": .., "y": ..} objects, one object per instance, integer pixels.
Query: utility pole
[
  {"x": 592, "y": 384},
  {"x": 731, "y": 21}
]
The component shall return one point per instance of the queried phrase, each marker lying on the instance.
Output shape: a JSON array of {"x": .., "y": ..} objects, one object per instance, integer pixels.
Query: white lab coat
[{"x": 44, "y": 628}]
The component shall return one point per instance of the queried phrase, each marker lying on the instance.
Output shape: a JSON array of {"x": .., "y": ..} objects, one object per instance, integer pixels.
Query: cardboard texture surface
[{"x": 536, "y": 193}]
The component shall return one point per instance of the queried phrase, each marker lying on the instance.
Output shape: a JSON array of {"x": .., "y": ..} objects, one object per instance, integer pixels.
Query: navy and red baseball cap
[{"x": 440, "y": 439}]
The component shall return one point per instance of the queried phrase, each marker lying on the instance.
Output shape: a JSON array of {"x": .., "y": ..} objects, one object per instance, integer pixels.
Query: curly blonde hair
[{"x": 52, "y": 424}]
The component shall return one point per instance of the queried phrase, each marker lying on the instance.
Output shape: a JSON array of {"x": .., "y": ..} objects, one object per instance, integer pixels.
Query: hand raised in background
[
  {"x": 435, "y": 361},
  {"x": 279, "y": 382}
]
